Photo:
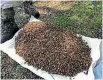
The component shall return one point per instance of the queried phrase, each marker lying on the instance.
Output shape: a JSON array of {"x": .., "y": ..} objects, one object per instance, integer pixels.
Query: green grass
[{"x": 84, "y": 18}]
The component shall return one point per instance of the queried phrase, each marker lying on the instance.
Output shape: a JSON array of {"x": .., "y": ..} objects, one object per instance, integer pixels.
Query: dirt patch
[
  {"x": 48, "y": 9},
  {"x": 59, "y": 5}
]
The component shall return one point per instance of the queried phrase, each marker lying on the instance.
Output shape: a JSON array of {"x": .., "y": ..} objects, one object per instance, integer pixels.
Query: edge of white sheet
[{"x": 9, "y": 48}]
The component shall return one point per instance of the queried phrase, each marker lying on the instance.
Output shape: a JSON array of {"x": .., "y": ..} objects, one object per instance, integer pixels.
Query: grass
[{"x": 84, "y": 18}]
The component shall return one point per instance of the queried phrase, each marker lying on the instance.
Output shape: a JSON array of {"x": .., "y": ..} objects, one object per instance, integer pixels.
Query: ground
[{"x": 80, "y": 17}]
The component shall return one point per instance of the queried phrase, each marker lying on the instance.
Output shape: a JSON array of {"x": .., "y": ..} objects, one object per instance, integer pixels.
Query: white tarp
[{"x": 9, "y": 48}]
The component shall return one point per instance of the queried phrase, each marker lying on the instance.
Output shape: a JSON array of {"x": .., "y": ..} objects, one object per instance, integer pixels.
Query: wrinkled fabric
[{"x": 98, "y": 69}]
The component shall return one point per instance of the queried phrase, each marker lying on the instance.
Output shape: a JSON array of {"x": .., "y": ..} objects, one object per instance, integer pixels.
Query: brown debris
[{"x": 53, "y": 49}]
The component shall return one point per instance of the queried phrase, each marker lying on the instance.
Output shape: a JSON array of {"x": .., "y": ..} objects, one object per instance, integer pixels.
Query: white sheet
[{"x": 9, "y": 48}]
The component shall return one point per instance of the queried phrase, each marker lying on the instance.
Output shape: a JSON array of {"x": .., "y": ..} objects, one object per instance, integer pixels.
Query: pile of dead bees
[{"x": 53, "y": 49}]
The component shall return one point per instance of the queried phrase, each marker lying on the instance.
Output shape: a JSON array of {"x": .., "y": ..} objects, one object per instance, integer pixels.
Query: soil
[{"x": 12, "y": 70}]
